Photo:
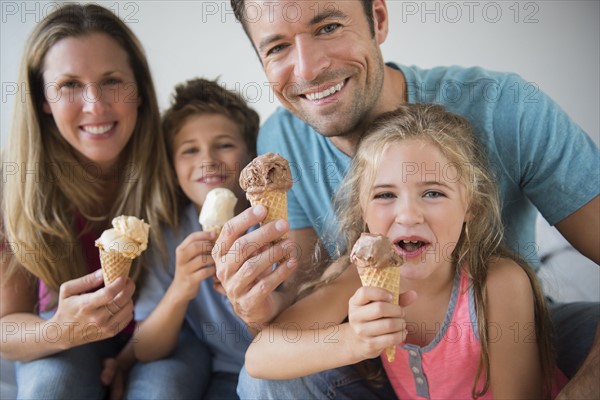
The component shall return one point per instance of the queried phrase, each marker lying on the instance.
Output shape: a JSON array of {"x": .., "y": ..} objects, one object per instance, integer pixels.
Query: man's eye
[
  {"x": 276, "y": 49},
  {"x": 330, "y": 28}
]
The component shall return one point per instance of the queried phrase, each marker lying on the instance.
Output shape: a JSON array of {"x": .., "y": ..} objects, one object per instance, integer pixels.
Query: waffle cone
[
  {"x": 114, "y": 264},
  {"x": 388, "y": 279},
  {"x": 213, "y": 228},
  {"x": 276, "y": 203}
]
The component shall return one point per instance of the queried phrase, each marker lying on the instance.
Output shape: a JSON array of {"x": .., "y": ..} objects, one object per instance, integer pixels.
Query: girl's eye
[
  {"x": 330, "y": 28},
  {"x": 432, "y": 194},
  {"x": 384, "y": 195}
]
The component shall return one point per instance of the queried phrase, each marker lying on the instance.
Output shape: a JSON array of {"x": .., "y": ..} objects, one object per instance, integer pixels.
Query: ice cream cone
[
  {"x": 120, "y": 245},
  {"x": 114, "y": 264},
  {"x": 266, "y": 181},
  {"x": 276, "y": 203},
  {"x": 378, "y": 265},
  {"x": 215, "y": 228},
  {"x": 386, "y": 278},
  {"x": 218, "y": 208}
]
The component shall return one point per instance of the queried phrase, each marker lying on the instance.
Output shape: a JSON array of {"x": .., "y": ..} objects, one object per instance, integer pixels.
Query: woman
[{"x": 84, "y": 147}]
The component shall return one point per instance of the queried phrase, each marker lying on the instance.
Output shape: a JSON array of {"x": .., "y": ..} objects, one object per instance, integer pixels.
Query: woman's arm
[
  {"x": 515, "y": 370},
  {"x": 81, "y": 317}
]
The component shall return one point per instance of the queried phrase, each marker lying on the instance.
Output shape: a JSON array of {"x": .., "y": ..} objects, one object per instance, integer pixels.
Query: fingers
[
  {"x": 109, "y": 367},
  {"x": 271, "y": 281},
  {"x": 81, "y": 285},
  {"x": 120, "y": 308},
  {"x": 407, "y": 298},
  {"x": 259, "y": 268},
  {"x": 233, "y": 238},
  {"x": 367, "y": 294}
]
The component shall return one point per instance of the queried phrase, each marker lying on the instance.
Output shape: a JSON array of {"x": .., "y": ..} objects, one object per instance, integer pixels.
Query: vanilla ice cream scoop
[
  {"x": 129, "y": 236},
  {"x": 218, "y": 208}
]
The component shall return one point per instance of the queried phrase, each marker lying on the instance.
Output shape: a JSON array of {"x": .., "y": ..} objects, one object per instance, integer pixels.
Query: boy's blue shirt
[{"x": 210, "y": 315}]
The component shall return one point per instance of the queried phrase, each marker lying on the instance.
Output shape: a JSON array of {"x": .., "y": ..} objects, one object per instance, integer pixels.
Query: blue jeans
[
  {"x": 574, "y": 329},
  {"x": 75, "y": 373},
  {"x": 340, "y": 383},
  {"x": 222, "y": 387}
]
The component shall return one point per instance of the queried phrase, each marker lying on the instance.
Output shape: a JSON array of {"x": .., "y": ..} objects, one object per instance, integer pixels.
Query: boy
[{"x": 210, "y": 134}]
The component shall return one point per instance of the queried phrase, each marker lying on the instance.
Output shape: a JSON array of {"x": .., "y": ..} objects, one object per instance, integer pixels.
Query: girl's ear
[{"x": 469, "y": 214}]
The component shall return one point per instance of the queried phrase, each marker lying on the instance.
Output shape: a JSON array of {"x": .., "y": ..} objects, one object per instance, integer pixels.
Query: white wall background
[{"x": 554, "y": 44}]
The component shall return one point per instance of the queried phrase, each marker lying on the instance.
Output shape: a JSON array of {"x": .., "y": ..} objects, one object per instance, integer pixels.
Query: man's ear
[{"x": 380, "y": 20}]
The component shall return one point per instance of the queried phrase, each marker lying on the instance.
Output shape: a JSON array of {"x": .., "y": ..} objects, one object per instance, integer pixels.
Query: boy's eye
[
  {"x": 226, "y": 145},
  {"x": 190, "y": 150}
]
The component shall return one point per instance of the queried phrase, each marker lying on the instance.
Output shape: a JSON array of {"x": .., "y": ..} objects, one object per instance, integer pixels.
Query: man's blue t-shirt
[
  {"x": 542, "y": 160},
  {"x": 209, "y": 315}
]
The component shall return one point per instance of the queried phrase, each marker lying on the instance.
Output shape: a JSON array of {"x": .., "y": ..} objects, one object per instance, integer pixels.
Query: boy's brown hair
[
  {"x": 202, "y": 96},
  {"x": 198, "y": 97}
]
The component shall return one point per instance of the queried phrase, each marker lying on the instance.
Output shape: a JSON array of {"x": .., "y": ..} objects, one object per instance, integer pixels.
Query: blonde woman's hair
[
  {"x": 481, "y": 239},
  {"x": 45, "y": 186}
]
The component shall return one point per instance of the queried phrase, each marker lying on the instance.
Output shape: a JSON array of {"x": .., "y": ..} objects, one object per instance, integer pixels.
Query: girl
[
  {"x": 472, "y": 320},
  {"x": 84, "y": 148}
]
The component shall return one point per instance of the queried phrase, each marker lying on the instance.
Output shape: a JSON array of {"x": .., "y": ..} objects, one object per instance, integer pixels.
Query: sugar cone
[
  {"x": 386, "y": 278},
  {"x": 114, "y": 264},
  {"x": 213, "y": 228},
  {"x": 276, "y": 203}
]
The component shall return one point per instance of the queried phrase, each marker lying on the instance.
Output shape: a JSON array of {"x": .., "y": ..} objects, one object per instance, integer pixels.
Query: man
[{"x": 327, "y": 70}]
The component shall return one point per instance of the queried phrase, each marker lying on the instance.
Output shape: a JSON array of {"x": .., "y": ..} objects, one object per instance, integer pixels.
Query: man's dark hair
[{"x": 238, "y": 7}]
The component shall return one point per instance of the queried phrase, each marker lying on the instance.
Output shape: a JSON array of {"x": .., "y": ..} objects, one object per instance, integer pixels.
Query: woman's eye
[
  {"x": 112, "y": 81},
  {"x": 69, "y": 85}
]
